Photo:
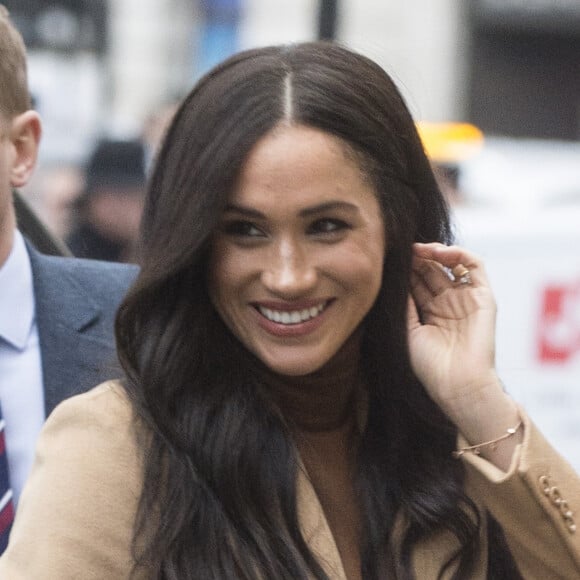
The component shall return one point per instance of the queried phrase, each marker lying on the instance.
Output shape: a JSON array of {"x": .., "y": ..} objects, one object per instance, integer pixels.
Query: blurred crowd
[{"x": 95, "y": 207}]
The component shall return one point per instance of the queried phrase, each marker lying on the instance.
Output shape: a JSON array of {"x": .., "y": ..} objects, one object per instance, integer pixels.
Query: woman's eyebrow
[
  {"x": 246, "y": 211},
  {"x": 308, "y": 211},
  {"x": 329, "y": 206}
]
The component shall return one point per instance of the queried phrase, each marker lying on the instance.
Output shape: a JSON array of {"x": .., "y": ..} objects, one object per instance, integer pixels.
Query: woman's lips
[{"x": 291, "y": 319}]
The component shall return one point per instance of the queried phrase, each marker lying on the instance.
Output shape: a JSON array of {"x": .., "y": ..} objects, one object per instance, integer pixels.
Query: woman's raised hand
[
  {"x": 451, "y": 327},
  {"x": 451, "y": 322}
]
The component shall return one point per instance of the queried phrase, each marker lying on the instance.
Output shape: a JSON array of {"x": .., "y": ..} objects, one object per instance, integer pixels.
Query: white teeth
[
  {"x": 295, "y": 317},
  {"x": 292, "y": 317}
]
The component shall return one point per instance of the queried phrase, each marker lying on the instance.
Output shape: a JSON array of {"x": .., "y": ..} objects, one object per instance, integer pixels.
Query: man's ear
[{"x": 25, "y": 133}]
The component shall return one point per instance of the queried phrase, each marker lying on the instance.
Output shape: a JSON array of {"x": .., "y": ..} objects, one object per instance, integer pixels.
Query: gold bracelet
[{"x": 476, "y": 449}]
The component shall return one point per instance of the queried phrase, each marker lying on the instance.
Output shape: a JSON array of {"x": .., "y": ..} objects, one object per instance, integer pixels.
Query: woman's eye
[
  {"x": 328, "y": 226},
  {"x": 243, "y": 229}
]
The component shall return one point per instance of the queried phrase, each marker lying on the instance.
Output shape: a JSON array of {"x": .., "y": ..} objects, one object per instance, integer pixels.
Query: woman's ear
[{"x": 25, "y": 133}]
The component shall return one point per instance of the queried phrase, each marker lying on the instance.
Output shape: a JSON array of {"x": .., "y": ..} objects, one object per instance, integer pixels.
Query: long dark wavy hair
[{"x": 219, "y": 497}]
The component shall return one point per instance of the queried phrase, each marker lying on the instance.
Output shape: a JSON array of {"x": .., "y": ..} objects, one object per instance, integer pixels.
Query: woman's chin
[{"x": 294, "y": 368}]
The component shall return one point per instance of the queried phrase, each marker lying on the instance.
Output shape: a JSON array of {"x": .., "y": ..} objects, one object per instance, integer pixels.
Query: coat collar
[
  {"x": 71, "y": 307},
  {"x": 68, "y": 320},
  {"x": 315, "y": 528},
  {"x": 428, "y": 557}
]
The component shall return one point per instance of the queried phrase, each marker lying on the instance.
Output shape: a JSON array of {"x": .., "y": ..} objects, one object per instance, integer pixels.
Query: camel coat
[{"x": 76, "y": 513}]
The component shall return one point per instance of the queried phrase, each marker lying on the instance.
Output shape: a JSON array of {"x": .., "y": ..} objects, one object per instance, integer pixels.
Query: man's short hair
[{"x": 14, "y": 94}]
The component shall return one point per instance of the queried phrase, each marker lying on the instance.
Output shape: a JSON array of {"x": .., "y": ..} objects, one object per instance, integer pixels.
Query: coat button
[
  {"x": 555, "y": 496},
  {"x": 552, "y": 492},
  {"x": 565, "y": 509}
]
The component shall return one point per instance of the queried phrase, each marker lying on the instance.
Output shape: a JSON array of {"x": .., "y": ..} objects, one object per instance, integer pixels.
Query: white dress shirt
[{"x": 21, "y": 387}]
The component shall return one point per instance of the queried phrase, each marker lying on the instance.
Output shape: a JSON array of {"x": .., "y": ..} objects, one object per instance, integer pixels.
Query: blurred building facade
[
  {"x": 102, "y": 66},
  {"x": 524, "y": 67}
]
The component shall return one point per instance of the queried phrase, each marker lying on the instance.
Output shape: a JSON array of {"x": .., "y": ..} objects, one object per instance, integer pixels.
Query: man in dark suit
[{"x": 56, "y": 314}]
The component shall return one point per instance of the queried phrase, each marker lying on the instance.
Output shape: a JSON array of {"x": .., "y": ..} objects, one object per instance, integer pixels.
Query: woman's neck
[{"x": 323, "y": 400}]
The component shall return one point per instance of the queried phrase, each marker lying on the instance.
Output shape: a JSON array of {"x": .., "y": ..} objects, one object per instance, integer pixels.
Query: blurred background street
[{"x": 109, "y": 72}]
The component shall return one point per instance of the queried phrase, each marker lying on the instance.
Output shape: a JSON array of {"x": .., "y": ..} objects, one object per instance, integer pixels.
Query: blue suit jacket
[{"x": 76, "y": 301}]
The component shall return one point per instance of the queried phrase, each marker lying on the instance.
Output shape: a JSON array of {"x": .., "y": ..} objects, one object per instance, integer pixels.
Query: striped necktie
[{"x": 6, "y": 502}]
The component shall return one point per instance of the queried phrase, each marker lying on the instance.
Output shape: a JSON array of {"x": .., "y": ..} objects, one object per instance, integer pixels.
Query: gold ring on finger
[{"x": 461, "y": 274}]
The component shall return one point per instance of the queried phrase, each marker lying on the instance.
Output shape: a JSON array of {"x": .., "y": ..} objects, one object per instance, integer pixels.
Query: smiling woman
[
  {"x": 310, "y": 386},
  {"x": 297, "y": 263}
]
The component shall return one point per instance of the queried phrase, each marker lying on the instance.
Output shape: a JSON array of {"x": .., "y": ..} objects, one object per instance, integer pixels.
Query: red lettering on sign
[{"x": 559, "y": 324}]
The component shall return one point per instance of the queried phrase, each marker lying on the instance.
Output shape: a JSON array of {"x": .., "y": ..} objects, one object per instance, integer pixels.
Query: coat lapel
[
  {"x": 72, "y": 341},
  {"x": 315, "y": 528}
]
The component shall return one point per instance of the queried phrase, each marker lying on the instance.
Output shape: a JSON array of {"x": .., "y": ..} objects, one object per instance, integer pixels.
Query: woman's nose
[{"x": 289, "y": 271}]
